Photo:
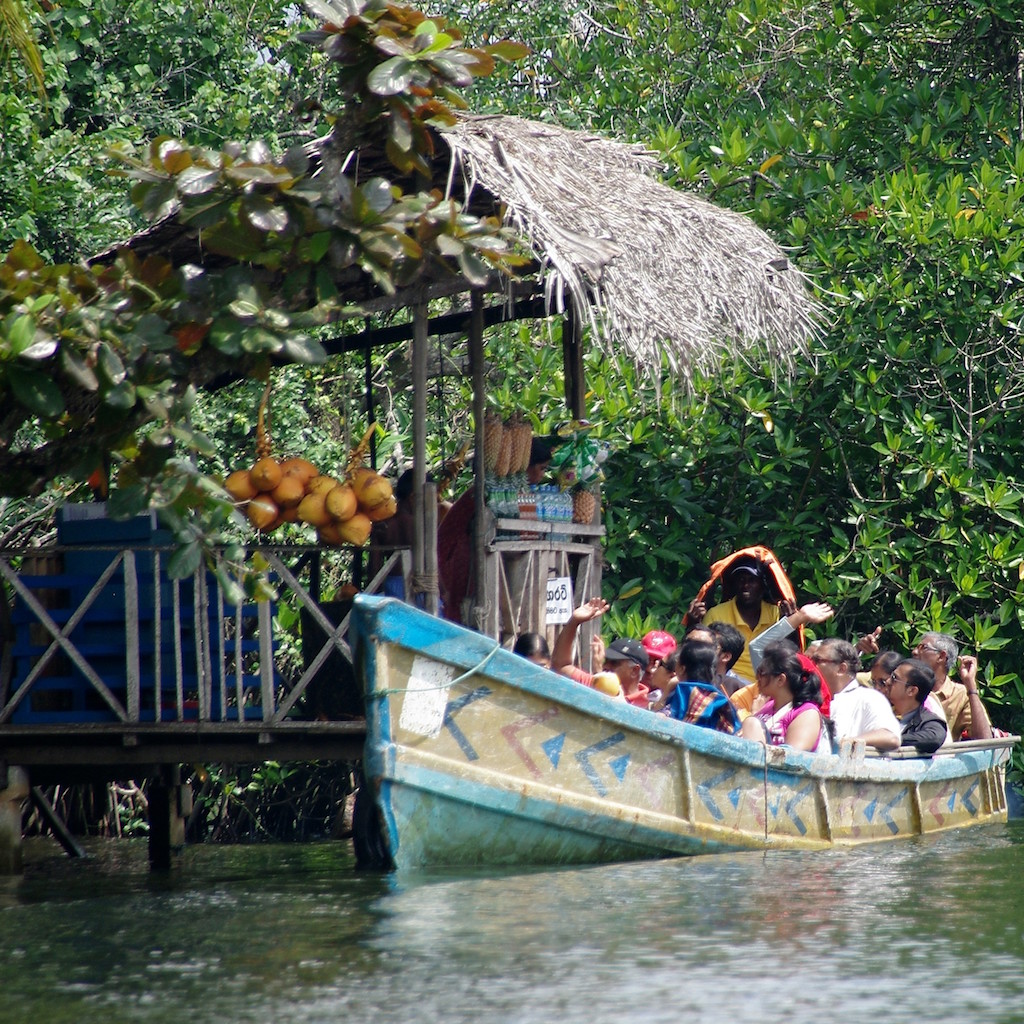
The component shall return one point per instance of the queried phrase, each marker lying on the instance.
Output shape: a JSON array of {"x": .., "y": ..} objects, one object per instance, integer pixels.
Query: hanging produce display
[{"x": 342, "y": 509}]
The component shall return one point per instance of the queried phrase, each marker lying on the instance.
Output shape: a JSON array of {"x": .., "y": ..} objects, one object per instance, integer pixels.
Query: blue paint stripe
[
  {"x": 453, "y": 708},
  {"x": 583, "y": 757}
]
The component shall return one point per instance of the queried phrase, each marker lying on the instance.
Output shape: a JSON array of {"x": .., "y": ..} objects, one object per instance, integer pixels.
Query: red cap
[{"x": 659, "y": 644}]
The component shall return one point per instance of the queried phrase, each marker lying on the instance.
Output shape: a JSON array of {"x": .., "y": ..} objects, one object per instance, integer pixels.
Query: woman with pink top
[{"x": 788, "y": 710}]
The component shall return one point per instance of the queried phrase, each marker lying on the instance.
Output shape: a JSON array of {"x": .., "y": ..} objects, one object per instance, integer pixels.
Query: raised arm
[
  {"x": 980, "y": 727},
  {"x": 813, "y": 612},
  {"x": 868, "y": 643},
  {"x": 561, "y": 656}
]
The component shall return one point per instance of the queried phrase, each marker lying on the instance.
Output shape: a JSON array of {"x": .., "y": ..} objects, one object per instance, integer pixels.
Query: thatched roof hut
[{"x": 655, "y": 270}]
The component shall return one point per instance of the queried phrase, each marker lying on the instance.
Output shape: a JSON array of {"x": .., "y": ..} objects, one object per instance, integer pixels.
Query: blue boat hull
[{"x": 476, "y": 757}]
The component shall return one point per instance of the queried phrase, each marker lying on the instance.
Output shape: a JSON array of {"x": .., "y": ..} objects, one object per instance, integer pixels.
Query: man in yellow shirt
[{"x": 746, "y": 610}]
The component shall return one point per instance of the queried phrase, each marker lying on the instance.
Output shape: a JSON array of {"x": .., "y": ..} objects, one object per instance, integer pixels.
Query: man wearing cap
[
  {"x": 625, "y": 657},
  {"x": 747, "y": 610}
]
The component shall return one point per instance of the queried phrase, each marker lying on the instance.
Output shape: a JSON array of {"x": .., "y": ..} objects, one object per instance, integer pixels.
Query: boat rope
[
  {"x": 441, "y": 686},
  {"x": 766, "y": 798}
]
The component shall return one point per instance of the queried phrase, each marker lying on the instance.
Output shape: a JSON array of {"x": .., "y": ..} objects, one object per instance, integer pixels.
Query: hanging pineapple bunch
[
  {"x": 506, "y": 446},
  {"x": 577, "y": 464},
  {"x": 274, "y": 492}
]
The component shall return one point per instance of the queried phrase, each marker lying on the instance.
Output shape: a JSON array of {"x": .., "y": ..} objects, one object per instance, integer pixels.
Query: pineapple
[
  {"x": 584, "y": 506},
  {"x": 522, "y": 437},
  {"x": 493, "y": 434},
  {"x": 503, "y": 466}
]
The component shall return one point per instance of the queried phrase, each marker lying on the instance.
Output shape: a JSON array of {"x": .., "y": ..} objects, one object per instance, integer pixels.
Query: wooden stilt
[
  {"x": 481, "y": 592},
  {"x": 420, "y": 341},
  {"x": 12, "y": 796},
  {"x": 166, "y": 823}
]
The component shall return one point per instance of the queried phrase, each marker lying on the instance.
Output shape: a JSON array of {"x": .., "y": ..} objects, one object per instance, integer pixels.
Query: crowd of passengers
[{"x": 738, "y": 670}]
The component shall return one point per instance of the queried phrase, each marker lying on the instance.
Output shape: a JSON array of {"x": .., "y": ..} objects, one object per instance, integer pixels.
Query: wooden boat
[{"x": 475, "y": 756}]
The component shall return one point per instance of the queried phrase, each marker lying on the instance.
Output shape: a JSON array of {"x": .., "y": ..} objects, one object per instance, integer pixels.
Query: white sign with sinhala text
[{"x": 559, "y": 600}]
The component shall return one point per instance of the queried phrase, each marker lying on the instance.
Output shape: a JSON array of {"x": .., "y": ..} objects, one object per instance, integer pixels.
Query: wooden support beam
[
  {"x": 476, "y": 369},
  {"x": 572, "y": 361},
  {"x": 420, "y": 343},
  {"x": 13, "y": 793},
  {"x": 60, "y": 831},
  {"x": 166, "y": 823},
  {"x": 450, "y": 323}
]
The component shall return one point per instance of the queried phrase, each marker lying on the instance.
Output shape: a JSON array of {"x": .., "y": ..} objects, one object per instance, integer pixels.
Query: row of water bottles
[
  {"x": 553, "y": 506},
  {"x": 545, "y": 503}
]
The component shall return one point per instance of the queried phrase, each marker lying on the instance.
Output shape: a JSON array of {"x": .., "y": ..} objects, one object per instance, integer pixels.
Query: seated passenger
[
  {"x": 965, "y": 713},
  {"x": 533, "y": 647},
  {"x": 663, "y": 680},
  {"x": 813, "y": 613},
  {"x": 659, "y": 645},
  {"x": 625, "y": 657},
  {"x": 858, "y": 712},
  {"x": 730, "y": 646},
  {"x": 879, "y": 675},
  {"x": 695, "y": 698},
  {"x": 750, "y": 602},
  {"x": 910, "y": 682},
  {"x": 791, "y": 713}
]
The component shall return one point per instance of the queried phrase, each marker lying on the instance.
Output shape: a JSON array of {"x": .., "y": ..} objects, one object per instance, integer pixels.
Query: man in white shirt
[{"x": 857, "y": 712}]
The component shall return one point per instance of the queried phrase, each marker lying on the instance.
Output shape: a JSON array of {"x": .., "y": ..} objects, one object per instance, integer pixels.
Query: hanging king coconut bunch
[{"x": 274, "y": 492}]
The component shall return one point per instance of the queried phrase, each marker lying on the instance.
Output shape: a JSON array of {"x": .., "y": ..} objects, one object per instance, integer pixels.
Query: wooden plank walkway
[{"x": 100, "y": 752}]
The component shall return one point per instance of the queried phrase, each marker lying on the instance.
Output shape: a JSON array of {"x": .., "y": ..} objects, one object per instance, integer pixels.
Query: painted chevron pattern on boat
[
  {"x": 584, "y": 756},
  {"x": 453, "y": 708},
  {"x": 513, "y": 729}
]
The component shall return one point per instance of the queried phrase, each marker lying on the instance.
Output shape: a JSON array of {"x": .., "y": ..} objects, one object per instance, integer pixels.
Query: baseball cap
[
  {"x": 745, "y": 564},
  {"x": 625, "y": 649},
  {"x": 658, "y": 644}
]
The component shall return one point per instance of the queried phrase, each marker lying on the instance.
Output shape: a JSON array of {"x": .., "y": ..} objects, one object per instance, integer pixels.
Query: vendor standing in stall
[{"x": 455, "y": 539}]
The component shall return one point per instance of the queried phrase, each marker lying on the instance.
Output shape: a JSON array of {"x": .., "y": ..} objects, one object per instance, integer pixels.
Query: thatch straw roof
[{"x": 654, "y": 269}]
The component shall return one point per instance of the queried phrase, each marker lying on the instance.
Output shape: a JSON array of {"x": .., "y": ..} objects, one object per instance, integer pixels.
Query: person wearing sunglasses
[
  {"x": 858, "y": 712},
  {"x": 909, "y": 684},
  {"x": 880, "y": 672},
  {"x": 791, "y": 712},
  {"x": 961, "y": 702}
]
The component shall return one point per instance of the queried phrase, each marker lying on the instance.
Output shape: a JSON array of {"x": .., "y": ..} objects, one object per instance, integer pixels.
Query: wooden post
[
  {"x": 131, "y": 619},
  {"x": 13, "y": 794},
  {"x": 572, "y": 363},
  {"x": 166, "y": 822},
  {"x": 420, "y": 341},
  {"x": 482, "y": 594},
  {"x": 432, "y": 602}
]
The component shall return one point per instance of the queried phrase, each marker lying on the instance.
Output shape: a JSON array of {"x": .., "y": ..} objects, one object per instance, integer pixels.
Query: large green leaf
[{"x": 36, "y": 391}]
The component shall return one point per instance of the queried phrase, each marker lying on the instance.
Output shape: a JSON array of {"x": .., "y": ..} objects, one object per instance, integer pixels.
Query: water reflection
[{"x": 293, "y": 934}]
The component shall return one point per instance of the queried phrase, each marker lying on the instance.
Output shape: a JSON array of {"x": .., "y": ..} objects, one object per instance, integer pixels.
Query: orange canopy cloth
[{"x": 777, "y": 586}]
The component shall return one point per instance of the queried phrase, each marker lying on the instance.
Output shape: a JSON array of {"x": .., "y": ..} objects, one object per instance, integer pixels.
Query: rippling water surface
[{"x": 920, "y": 930}]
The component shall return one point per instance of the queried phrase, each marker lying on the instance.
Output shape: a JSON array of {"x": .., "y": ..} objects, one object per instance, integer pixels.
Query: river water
[{"x": 929, "y": 929}]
